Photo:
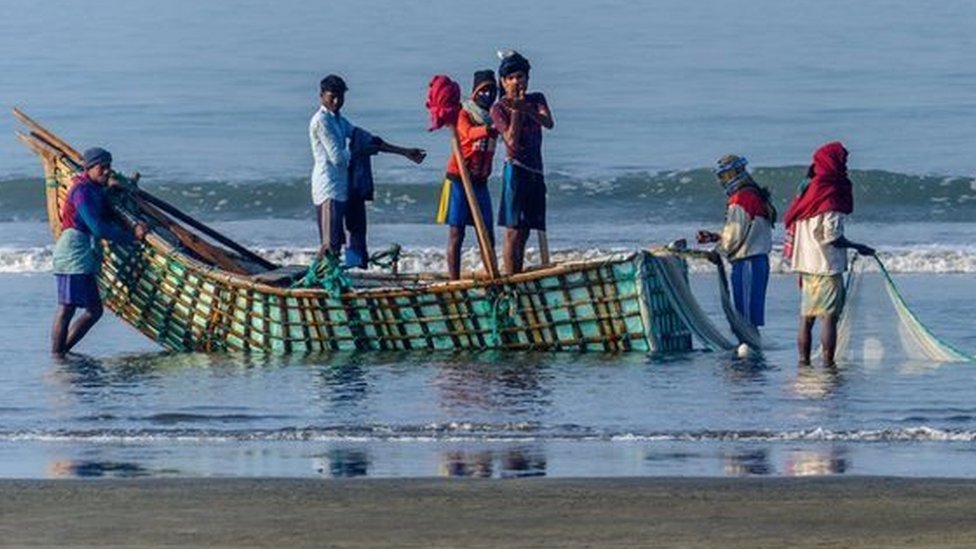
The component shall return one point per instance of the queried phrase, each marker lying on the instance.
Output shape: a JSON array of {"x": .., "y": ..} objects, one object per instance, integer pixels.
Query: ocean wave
[
  {"x": 906, "y": 260},
  {"x": 685, "y": 195},
  {"x": 474, "y": 432}
]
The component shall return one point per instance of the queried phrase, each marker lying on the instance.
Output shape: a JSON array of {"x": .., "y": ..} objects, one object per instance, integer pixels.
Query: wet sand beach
[{"x": 649, "y": 512}]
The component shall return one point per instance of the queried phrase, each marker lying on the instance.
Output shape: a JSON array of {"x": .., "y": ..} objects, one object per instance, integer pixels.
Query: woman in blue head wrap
[{"x": 746, "y": 239}]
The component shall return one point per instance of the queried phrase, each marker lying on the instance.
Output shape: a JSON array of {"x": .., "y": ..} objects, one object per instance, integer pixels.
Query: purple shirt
[
  {"x": 86, "y": 209},
  {"x": 529, "y": 152}
]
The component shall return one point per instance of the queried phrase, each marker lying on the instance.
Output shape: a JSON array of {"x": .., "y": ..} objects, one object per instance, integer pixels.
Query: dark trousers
[{"x": 342, "y": 220}]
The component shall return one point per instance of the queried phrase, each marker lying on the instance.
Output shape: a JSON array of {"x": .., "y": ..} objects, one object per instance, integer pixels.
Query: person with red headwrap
[
  {"x": 817, "y": 248},
  {"x": 477, "y": 138}
]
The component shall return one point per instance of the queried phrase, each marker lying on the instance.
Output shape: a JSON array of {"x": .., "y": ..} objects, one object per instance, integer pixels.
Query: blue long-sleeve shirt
[{"x": 84, "y": 221}]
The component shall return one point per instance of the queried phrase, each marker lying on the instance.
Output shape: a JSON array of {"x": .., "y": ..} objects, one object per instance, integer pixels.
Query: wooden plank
[{"x": 193, "y": 242}]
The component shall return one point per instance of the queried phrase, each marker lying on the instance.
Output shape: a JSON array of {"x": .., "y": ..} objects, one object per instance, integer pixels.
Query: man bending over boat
[
  {"x": 519, "y": 118},
  {"x": 85, "y": 221},
  {"x": 339, "y": 208},
  {"x": 747, "y": 237},
  {"x": 817, "y": 247}
]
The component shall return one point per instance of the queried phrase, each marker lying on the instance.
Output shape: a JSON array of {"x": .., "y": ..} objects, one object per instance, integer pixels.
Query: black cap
[{"x": 486, "y": 75}]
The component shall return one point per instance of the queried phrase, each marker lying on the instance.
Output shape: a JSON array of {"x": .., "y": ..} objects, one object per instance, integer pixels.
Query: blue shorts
[
  {"x": 335, "y": 219},
  {"x": 523, "y": 203},
  {"x": 78, "y": 290},
  {"x": 750, "y": 276},
  {"x": 454, "y": 210}
]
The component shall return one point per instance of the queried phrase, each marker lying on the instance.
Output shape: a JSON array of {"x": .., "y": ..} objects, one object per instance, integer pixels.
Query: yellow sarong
[{"x": 823, "y": 295}]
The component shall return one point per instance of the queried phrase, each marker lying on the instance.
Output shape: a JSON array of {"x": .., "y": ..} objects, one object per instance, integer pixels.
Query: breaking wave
[
  {"x": 473, "y": 432},
  {"x": 687, "y": 195},
  {"x": 921, "y": 260}
]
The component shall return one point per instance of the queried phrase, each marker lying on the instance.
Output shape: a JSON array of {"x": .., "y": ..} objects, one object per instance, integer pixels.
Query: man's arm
[
  {"x": 833, "y": 234},
  {"x": 327, "y": 143},
  {"x": 468, "y": 132},
  {"x": 734, "y": 232},
  {"x": 101, "y": 228},
  {"x": 414, "y": 154},
  {"x": 537, "y": 110},
  {"x": 508, "y": 121},
  {"x": 862, "y": 249}
]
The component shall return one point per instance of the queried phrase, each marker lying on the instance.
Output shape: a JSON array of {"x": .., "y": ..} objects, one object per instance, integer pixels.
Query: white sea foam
[
  {"x": 487, "y": 433},
  {"x": 922, "y": 259}
]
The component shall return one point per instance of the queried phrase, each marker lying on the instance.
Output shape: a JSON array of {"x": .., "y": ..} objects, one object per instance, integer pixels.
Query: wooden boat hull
[{"x": 187, "y": 304}]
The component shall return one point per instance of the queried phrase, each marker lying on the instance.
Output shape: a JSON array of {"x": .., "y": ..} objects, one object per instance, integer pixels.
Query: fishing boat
[{"x": 190, "y": 288}]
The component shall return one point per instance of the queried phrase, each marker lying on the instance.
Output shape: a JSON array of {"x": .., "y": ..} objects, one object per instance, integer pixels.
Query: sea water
[{"x": 211, "y": 103}]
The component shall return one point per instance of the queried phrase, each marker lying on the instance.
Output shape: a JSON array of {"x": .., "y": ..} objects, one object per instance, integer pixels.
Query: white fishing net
[
  {"x": 877, "y": 325},
  {"x": 671, "y": 268}
]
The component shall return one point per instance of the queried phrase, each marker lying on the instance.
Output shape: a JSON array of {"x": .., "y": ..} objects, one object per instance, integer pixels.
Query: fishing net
[
  {"x": 878, "y": 326},
  {"x": 673, "y": 272}
]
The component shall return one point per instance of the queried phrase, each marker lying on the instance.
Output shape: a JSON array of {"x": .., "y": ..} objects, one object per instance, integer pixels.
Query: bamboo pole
[
  {"x": 487, "y": 250},
  {"x": 74, "y": 156},
  {"x": 209, "y": 253},
  {"x": 219, "y": 237},
  {"x": 51, "y": 197},
  {"x": 543, "y": 248},
  {"x": 47, "y": 135}
]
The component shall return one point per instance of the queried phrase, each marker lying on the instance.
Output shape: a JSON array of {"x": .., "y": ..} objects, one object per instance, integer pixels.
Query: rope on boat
[
  {"x": 329, "y": 272},
  {"x": 504, "y": 312},
  {"x": 389, "y": 259}
]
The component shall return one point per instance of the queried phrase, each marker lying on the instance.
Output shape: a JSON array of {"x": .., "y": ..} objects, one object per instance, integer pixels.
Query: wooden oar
[
  {"x": 210, "y": 254},
  {"x": 484, "y": 243},
  {"x": 212, "y": 233}
]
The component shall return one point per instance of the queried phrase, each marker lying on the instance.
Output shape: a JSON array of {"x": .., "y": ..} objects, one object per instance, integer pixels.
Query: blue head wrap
[
  {"x": 96, "y": 156},
  {"x": 737, "y": 166}
]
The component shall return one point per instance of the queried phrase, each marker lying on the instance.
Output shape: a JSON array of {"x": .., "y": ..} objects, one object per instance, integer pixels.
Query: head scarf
[
  {"x": 737, "y": 166},
  {"x": 443, "y": 102},
  {"x": 479, "y": 115},
  {"x": 96, "y": 156},
  {"x": 829, "y": 190},
  {"x": 742, "y": 181},
  {"x": 482, "y": 76}
]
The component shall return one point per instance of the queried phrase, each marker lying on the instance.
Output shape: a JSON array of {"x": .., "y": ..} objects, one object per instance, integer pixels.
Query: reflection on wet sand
[
  {"x": 509, "y": 463},
  {"x": 742, "y": 463},
  {"x": 344, "y": 463},
  {"x": 807, "y": 462},
  {"x": 68, "y": 468},
  {"x": 797, "y": 462}
]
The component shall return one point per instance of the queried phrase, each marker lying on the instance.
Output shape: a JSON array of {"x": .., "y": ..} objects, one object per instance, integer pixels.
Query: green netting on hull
[{"x": 877, "y": 324}]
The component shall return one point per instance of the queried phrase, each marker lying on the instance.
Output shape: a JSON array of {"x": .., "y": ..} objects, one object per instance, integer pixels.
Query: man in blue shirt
[
  {"x": 339, "y": 210},
  {"x": 86, "y": 220}
]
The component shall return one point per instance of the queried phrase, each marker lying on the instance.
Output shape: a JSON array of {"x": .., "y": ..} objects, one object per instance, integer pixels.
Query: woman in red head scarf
[{"x": 817, "y": 247}]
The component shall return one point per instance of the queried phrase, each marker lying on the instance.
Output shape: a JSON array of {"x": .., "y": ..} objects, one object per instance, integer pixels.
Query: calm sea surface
[{"x": 210, "y": 101}]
